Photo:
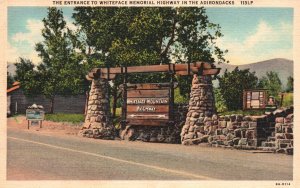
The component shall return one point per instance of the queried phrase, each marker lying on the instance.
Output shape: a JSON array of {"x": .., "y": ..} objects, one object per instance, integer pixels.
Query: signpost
[
  {"x": 254, "y": 99},
  {"x": 148, "y": 104},
  {"x": 35, "y": 115}
]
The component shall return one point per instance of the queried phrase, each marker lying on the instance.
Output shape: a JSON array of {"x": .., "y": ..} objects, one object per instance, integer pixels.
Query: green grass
[{"x": 59, "y": 117}]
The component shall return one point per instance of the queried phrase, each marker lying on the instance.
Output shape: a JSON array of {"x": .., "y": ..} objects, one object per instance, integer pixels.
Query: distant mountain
[{"x": 283, "y": 67}]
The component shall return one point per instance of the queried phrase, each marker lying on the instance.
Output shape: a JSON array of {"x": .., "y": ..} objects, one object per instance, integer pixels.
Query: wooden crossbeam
[{"x": 202, "y": 68}]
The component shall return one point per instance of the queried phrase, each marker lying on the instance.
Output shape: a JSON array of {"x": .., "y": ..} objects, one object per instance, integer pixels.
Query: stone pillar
[
  {"x": 97, "y": 121},
  {"x": 201, "y": 108}
]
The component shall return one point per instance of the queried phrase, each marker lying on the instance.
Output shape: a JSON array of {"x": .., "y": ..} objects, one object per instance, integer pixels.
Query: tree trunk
[
  {"x": 86, "y": 102},
  {"x": 52, "y": 105}
]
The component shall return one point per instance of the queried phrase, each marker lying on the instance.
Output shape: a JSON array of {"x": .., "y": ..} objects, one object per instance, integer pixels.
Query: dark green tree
[
  {"x": 219, "y": 100},
  {"x": 232, "y": 84},
  {"x": 10, "y": 80},
  {"x": 141, "y": 36},
  {"x": 61, "y": 71},
  {"x": 144, "y": 36},
  {"x": 28, "y": 77},
  {"x": 271, "y": 82},
  {"x": 290, "y": 84}
]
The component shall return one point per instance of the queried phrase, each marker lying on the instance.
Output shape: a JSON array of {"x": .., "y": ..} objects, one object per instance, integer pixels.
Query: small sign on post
[
  {"x": 35, "y": 115},
  {"x": 254, "y": 99}
]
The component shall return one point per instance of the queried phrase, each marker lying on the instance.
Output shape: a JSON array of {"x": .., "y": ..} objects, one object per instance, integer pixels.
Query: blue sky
[{"x": 250, "y": 34}]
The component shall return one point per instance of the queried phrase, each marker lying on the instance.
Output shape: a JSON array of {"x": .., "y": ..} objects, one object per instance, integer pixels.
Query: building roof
[{"x": 16, "y": 85}]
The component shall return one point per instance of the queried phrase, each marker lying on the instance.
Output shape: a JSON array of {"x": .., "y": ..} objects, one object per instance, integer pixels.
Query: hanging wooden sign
[{"x": 148, "y": 104}]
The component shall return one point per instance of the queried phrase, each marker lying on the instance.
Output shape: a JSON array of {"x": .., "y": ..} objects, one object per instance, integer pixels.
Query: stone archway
[{"x": 98, "y": 123}]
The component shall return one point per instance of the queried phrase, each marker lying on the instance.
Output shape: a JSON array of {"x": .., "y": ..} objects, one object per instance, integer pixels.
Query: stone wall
[
  {"x": 272, "y": 132},
  {"x": 165, "y": 134},
  {"x": 98, "y": 123},
  {"x": 230, "y": 130},
  {"x": 282, "y": 138}
]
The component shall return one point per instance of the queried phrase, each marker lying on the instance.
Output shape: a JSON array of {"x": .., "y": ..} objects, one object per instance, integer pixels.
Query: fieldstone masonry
[
  {"x": 236, "y": 130},
  {"x": 201, "y": 108},
  {"x": 282, "y": 139},
  {"x": 98, "y": 123},
  {"x": 163, "y": 134},
  {"x": 197, "y": 122},
  {"x": 272, "y": 132}
]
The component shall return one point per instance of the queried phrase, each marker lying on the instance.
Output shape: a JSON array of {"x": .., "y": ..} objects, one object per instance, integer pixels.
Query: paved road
[{"x": 37, "y": 156}]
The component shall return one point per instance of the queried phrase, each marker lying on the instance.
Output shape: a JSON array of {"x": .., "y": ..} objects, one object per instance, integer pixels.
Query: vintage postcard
[{"x": 149, "y": 93}]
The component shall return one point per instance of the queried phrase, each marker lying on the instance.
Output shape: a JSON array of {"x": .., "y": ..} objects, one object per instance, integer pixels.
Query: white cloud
[
  {"x": 13, "y": 54},
  {"x": 33, "y": 35},
  {"x": 264, "y": 33},
  {"x": 22, "y": 44},
  {"x": 266, "y": 42}
]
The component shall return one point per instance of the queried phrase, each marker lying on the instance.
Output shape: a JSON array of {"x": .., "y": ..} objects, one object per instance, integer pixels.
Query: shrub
[{"x": 288, "y": 99}]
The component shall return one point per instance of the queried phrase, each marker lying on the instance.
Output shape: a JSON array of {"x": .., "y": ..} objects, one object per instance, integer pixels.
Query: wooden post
[
  {"x": 171, "y": 112},
  {"x": 108, "y": 96},
  {"x": 16, "y": 108},
  {"x": 86, "y": 102},
  {"x": 281, "y": 99}
]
